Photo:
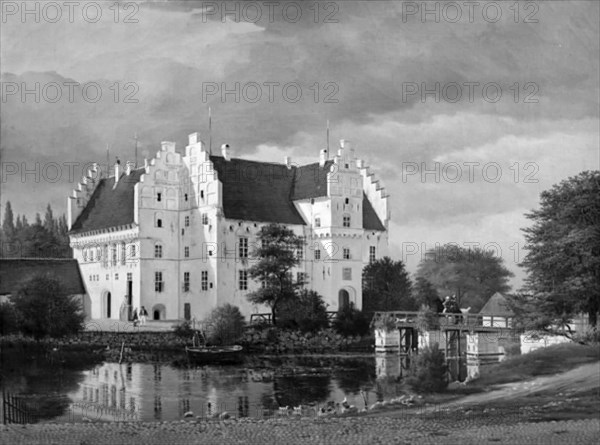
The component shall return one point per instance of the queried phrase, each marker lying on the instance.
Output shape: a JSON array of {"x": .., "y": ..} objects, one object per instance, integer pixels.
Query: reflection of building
[
  {"x": 176, "y": 236},
  {"x": 15, "y": 272},
  {"x": 498, "y": 314},
  {"x": 389, "y": 365}
]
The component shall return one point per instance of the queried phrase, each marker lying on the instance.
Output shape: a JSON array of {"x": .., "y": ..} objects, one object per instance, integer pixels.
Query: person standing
[
  {"x": 135, "y": 318},
  {"x": 143, "y": 316}
]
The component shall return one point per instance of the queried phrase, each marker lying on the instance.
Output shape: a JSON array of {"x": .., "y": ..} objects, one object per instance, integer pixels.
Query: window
[
  {"x": 129, "y": 276},
  {"x": 159, "y": 222},
  {"x": 243, "y": 249},
  {"x": 346, "y": 253},
  {"x": 204, "y": 279},
  {"x": 133, "y": 251},
  {"x": 105, "y": 256},
  {"x": 243, "y": 280},
  {"x": 186, "y": 252},
  {"x": 346, "y": 273},
  {"x": 317, "y": 222},
  {"x": 186, "y": 281},
  {"x": 347, "y": 201},
  {"x": 116, "y": 276},
  {"x": 202, "y": 194},
  {"x": 123, "y": 253},
  {"x": 205, "y": 219},
  {"x": 159, "y": 285},
  {"x": 159, "y": 196},
  {"x": 300, "y": 277},
  {"x": 187, "y": 221},
  {"x": 158, "y": 251},
  {"x": 91, "y": 254},
  {"x": 372, "y": 254},
  {"x": 114, "y": 255},
  {"x": 317, "y": 254},
  {"x": 346, "y": 221},
  {"x": 85, "y": 256},
  {"x": 185, "y": 196},
  {"x": 300, "y": 254}
]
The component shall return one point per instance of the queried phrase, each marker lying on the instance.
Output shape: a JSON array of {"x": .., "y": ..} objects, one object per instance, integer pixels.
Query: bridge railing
[{"x": 449, "y": 320}]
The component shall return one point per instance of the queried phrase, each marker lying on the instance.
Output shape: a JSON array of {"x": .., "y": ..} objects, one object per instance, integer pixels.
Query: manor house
[{"x": 177, "y": 235}]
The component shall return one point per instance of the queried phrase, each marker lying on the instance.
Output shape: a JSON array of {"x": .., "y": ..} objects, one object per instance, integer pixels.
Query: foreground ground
[{"x": 374, "y": 430}]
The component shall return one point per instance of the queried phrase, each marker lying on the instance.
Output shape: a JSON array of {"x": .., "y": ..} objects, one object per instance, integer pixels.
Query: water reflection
[{"x": 160, "y": 391}]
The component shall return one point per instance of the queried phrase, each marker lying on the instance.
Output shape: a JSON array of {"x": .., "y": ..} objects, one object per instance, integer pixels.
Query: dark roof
[
  {"x": 257, "y": 191},
  {"x": 370, "y": 219},
  {"x": 496, "y": 305},
  {"x": 14, "y": 272},
  {"x": 107, "y": 207},
  {"x": 311, "y": 181}
]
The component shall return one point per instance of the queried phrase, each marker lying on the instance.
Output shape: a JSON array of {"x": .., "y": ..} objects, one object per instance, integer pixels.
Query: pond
[{"x": 71, "y": 390}]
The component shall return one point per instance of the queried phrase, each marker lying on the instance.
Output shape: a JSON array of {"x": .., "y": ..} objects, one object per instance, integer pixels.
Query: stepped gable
[{"x": 109, "y": 206}]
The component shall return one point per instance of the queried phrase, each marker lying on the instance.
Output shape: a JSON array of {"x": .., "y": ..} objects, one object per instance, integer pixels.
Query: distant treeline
[{"x": 42, "y": 239}]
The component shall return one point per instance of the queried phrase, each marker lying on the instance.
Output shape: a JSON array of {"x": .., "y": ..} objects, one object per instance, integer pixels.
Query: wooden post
[{"x": 121, "y": 356}]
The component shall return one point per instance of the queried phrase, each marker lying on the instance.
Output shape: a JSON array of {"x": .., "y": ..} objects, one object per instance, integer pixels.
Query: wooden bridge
[{"x": 451, "y": 322}]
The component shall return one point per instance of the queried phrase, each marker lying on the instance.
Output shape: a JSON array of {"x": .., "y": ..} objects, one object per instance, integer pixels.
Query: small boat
[{"x": 214, "y": 354}]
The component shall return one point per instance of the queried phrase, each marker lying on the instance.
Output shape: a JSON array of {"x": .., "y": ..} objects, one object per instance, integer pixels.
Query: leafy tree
[
  {"x": 387, "y": 287},
  {"x": 306, "y": 312},
  {"x": 351, "y": 321},
  {"x": 276, "y": 257},
  {"x": 44, "y": 309},
  {"x": 563, "y": 251},
  {"x": 473, "y": 275},
  {"x": 225, "y": 325},
  {"x": 426, "y": 294}
]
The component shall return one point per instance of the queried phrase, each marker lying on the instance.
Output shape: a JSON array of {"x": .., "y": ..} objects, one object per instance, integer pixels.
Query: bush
[
  {"x": 427, "y": 319},
  {"x": 351, "y": 321},
  {"x": 183, "y": 330},
  {"x": 306, "y": 312},
  {"x": 225, "y": 325},
  {"x": 44, "y": 309},
  {"x": 8, "y": 319},
  {"x": 427, "y": 372},
  {"x": 386, "y": 322}
]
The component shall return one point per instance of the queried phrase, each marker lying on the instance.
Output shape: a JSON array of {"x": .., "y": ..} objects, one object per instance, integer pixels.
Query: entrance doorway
[
  {"x": 343, "y": 299},
  {"x": 129, "y": 299},
  {"x": 158, "y": 312}
]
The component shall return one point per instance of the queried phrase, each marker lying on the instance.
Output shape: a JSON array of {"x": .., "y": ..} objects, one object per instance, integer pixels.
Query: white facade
[{"x": 179, "y": 234}]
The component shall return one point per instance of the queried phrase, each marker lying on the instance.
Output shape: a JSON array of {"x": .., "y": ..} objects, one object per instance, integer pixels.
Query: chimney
[
  {"x": 128, "y": 168},
  {"x": 117, "y": 170},
  {"x": 193, "y": 138},
  {"x": 288, "y": 162},
  {"x": 323, "y": 156},
  {"x": 225, "y": 152}
]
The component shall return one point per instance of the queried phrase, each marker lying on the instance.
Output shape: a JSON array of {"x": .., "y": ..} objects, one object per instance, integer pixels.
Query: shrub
[
  {"x": 8, "y": 319},
  {"x": 351, "y": 321},
  {"x": 427, "y": 372},
  {"x": 183, "y": 330},
  {"x": 225, "y": 325},
  {"x": 44, "y": 309},
  {"x": 306, "y": 312},
  {"x": 427, "y": 319},
  {"x": 385, "y": 321}
]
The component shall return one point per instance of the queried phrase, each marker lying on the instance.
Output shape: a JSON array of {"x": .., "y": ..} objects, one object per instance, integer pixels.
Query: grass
[{"x": 545, "y": 361}]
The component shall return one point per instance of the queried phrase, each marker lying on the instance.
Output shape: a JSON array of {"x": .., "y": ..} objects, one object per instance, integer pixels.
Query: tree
[
  {"x": 563, "y": 250},
  {"x": 226, "y": 325},
  {"x": 428, "y": 372},
  {"x": 387, "y": 287},
  {"x": 425, "y": 294},
  {"x": 8, "y": 224},
  {"x": 277, "y": 255},
  {"x": 473, "y": 275},
  {"x": 44, "y": 309},
  {"x": 306, "y": 312}
]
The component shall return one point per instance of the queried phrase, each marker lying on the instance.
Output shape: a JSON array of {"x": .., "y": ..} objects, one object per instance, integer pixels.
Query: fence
[{"x": 14, "y": 410}]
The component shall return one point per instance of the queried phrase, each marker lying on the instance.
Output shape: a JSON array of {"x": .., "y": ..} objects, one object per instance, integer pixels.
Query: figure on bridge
[{"x": 451, "y": 307}]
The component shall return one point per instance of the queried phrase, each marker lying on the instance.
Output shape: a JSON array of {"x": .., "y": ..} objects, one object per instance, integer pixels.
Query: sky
[{"x": 464, "y": 113}]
